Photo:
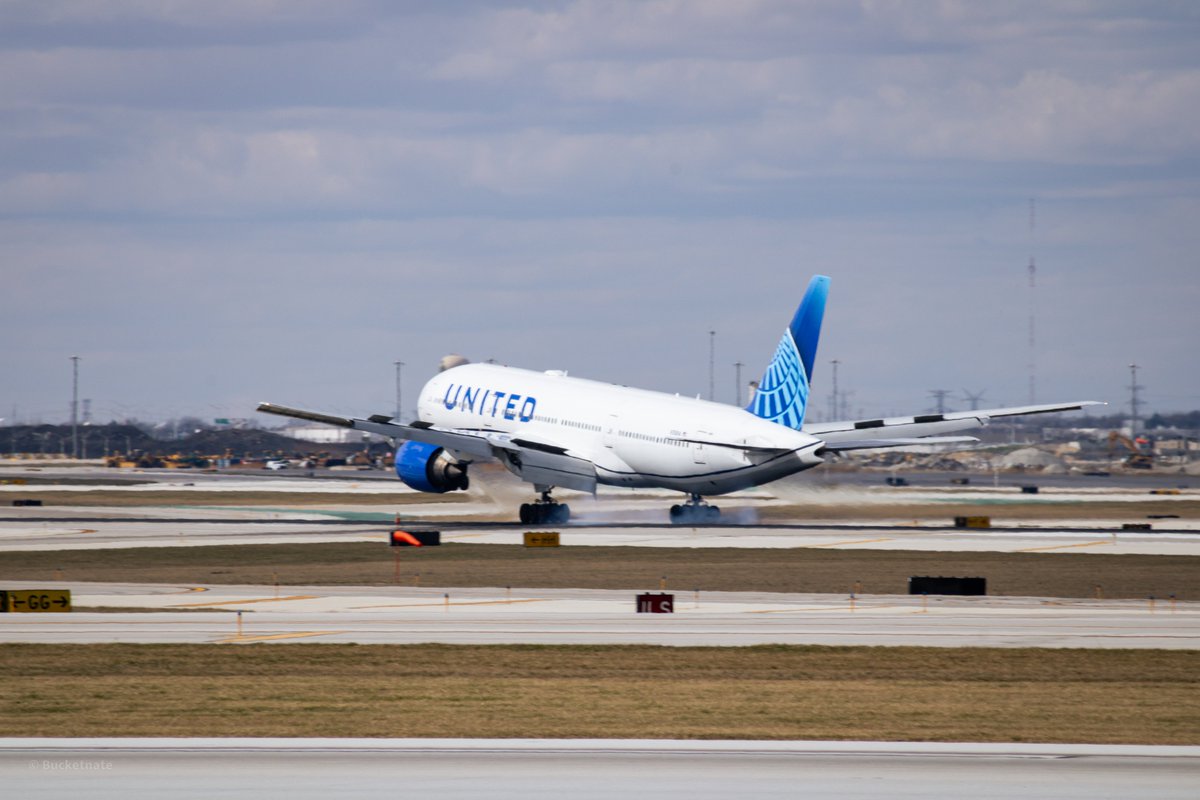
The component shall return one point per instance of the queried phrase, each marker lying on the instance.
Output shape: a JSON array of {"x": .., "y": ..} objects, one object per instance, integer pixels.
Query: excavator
[{"x": 1136, "y": 458}]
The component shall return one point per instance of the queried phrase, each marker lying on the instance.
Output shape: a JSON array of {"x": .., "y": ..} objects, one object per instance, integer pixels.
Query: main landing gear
[
  {"x": 695, "y": 510},
  {"x": 546, "y": 511}
]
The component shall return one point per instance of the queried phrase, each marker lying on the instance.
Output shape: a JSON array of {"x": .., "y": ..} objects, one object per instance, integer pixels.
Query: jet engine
[{"x": 428, "y": 468}]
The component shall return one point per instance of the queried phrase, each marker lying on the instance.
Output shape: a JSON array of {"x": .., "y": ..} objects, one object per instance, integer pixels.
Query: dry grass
[
  {"x": 608, "y": 692},
  {"x": 1008, "y": 510},
  {"x": 708, "y": 569},
  {"x": 199, "y": 497}
]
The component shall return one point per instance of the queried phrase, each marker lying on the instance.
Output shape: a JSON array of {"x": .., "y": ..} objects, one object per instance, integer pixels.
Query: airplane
[{"x": 552, "y": 430}]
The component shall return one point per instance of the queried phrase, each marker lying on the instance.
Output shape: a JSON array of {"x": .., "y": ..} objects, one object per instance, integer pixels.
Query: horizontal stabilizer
[{"x": 922, "y": 425}]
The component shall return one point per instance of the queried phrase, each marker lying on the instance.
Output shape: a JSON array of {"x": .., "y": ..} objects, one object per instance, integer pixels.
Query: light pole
[
  {"x": 712, "y": 349},
  {"x": 833, "y": 397},
  {"x": 75, "y": 408},
  {"x": 399, "y": 390},
  {"x": 737, "y": 382}
]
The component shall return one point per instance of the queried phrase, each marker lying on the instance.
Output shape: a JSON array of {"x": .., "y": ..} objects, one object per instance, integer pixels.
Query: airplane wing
[
  {"x": 536, "y": 462},
  {"x": 922, "y": 428},
  {"x": 467, "y": 443}
]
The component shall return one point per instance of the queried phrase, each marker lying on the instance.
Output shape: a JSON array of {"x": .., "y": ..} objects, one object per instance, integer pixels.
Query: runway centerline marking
[
  {"x": 248, "y": 600},
  {"x": 1063, "y": 546}
]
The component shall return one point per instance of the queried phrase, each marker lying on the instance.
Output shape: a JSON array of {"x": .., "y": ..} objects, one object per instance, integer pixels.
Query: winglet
[{"x": 783, "y": 391}]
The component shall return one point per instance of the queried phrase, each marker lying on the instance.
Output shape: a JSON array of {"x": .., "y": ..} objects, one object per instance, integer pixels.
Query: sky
[{"x": 214, "y": 204}]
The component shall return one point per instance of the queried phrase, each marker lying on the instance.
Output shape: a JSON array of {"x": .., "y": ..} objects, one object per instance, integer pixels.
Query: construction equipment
[
  {"x": 135, "y": 460},
  {"x": 1136, "y": 458}
]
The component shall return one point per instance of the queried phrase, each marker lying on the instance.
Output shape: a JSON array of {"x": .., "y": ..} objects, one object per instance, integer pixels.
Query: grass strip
[
  {"x": 1076, "y": 575},
  {"x": 770, "y": 692},
  {"x": 295, "y": 501}
]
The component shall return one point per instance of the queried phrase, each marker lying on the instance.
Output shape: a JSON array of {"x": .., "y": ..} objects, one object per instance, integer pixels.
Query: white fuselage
[{"x": 634, "y": 437}]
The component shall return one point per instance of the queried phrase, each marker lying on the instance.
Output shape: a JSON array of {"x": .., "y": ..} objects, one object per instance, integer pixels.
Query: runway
[
  {"x": 450, "y": 769},
  {"x": 75, "y": 530},
  {"x": 634, "y": 518},
  {"x": 384, "y": 615}
]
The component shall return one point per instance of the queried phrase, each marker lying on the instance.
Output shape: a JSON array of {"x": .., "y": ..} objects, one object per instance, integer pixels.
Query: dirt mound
[{"x": 1031, "y": 458}]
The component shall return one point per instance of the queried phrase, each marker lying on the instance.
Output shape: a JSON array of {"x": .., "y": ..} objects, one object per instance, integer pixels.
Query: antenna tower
[
  {"x": 1032, "y": 306},
  {"x": 1134, "y": 402}
]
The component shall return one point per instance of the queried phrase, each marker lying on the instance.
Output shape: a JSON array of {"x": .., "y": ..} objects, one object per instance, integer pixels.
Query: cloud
[{"x": 291, "y": 194}]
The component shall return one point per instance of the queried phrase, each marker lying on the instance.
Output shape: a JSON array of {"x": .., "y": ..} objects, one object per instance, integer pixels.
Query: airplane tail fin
[{"x": 783, "y": 391}]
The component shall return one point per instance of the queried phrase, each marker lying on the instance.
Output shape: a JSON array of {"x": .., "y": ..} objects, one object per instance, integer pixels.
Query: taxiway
[
  {"x": 450, "y": 769},
  {"x": 385, "y": 615}
]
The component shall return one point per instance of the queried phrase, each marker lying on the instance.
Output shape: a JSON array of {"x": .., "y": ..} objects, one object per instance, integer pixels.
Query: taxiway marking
[
  {"x": 275, "y": 636},
  {"x": 469, "y": 603},
  {"x": 248, "y": 600},
  {"x": 1063, "y": 546}
]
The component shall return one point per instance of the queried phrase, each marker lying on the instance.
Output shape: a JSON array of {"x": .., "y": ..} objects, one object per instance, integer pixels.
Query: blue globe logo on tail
[{"x": 782, "y": 393}]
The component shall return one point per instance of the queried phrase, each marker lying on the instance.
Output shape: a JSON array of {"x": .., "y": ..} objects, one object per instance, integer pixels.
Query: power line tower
[
  {"x": 973, "y": 398},
  {"x": 939, "y": 396},
  {"x": 844, "y": 408}
]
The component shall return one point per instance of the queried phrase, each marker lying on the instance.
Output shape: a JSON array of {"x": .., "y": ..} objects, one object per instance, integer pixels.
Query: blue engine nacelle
[{"x": 429, "y": 468}]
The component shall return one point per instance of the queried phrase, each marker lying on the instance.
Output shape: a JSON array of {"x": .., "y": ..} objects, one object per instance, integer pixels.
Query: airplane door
[
  {"x": 610, "y": 432},
  {"x": 698, "y": 454}
]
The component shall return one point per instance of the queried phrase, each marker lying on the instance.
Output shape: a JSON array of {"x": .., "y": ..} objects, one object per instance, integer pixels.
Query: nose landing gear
[{"x": 694, "y": 511}]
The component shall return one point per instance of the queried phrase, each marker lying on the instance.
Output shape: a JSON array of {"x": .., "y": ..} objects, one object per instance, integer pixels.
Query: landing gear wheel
[
  {"x": 694, "y": 511},
  {"x": 546, "y": 511}
]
